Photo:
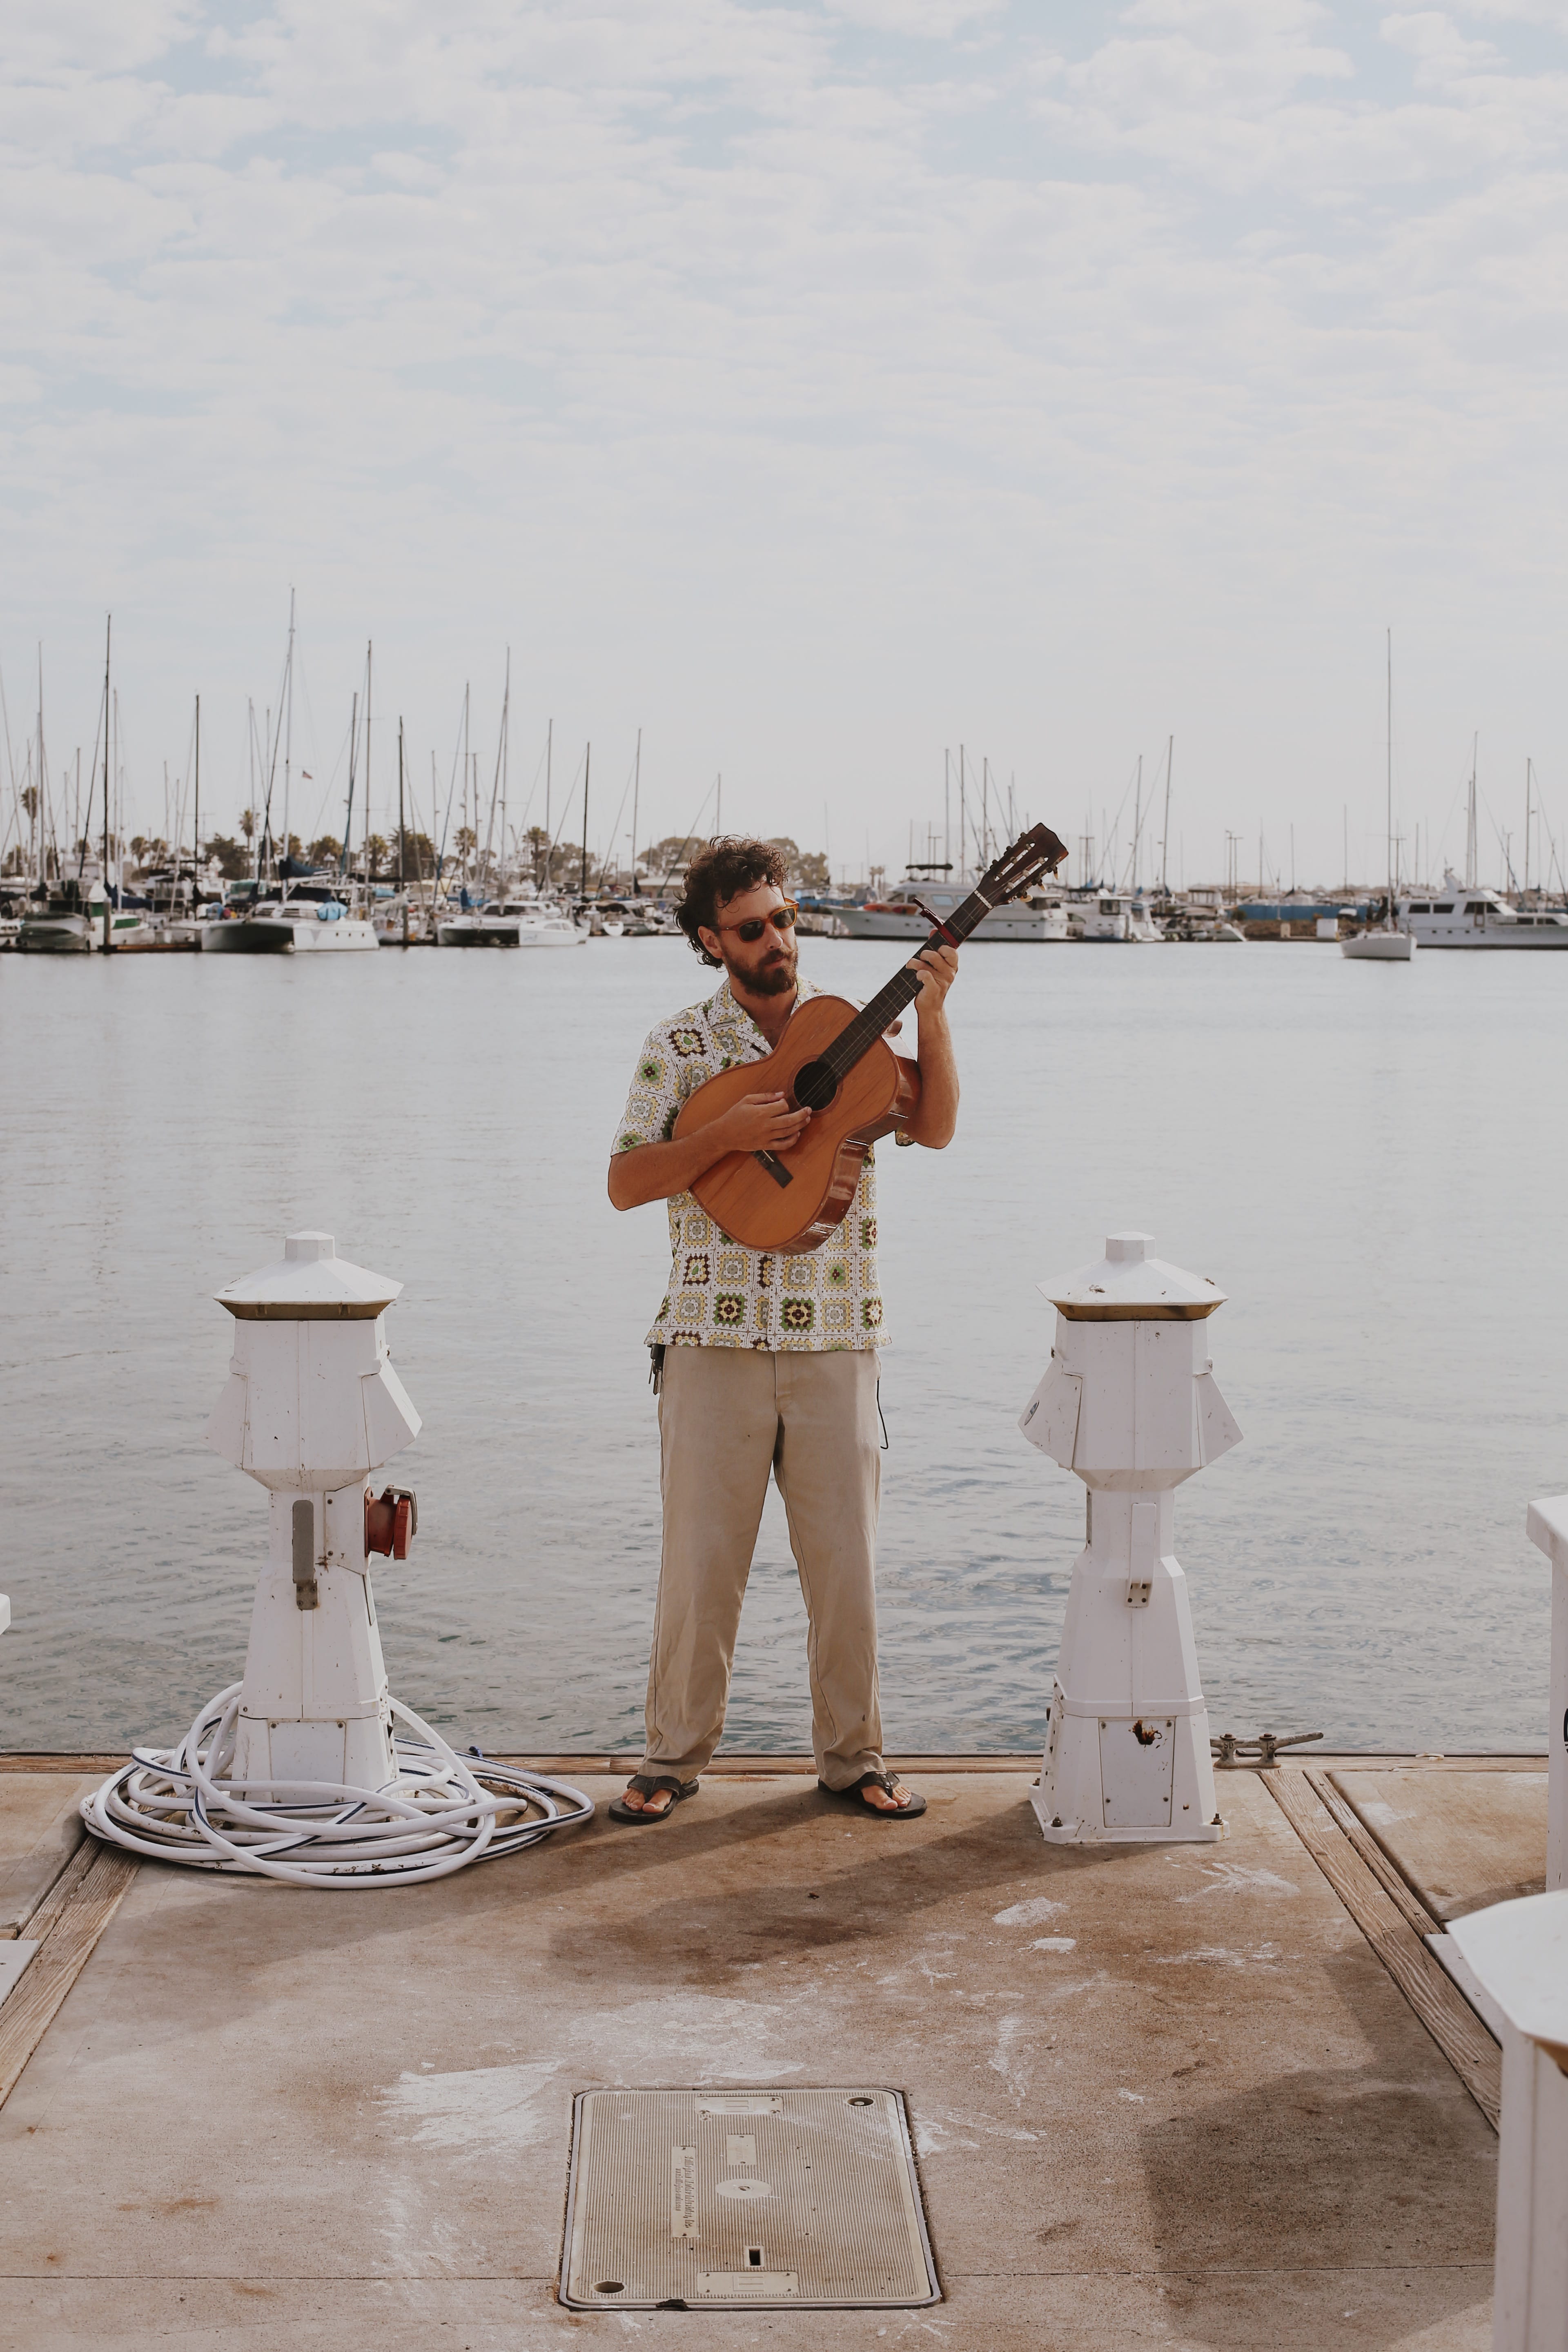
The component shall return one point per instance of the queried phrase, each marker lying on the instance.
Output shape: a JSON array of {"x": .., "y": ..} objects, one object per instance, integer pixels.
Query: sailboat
[
  {"x": 274, "y": 914},
  {"x": 1383, "y": 942}
]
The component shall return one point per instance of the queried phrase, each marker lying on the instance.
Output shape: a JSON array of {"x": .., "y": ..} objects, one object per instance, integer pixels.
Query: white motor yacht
[
  {"x": 1461, "y": 917},
  {"x": 511, "y": 923},
  {"x": 540, "y": 925},
  {"x": 1036, "y": 918},
  {"x": 1112, "y": 917},
  {"x": 477, "y": 927}
]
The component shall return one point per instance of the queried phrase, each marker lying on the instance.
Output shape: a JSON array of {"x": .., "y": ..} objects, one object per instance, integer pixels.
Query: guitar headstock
[{"x": 1019, "y": 868}]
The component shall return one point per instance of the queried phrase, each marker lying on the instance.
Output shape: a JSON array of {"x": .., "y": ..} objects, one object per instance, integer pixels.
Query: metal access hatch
[{"x": 727, "y": 2199}]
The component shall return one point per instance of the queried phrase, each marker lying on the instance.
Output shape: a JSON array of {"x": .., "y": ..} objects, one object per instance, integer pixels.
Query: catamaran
[{"x": 314, "y": 918}]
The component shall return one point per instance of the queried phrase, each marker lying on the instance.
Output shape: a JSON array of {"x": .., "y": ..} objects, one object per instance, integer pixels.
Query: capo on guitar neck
[{"x": 936, "y": 922}]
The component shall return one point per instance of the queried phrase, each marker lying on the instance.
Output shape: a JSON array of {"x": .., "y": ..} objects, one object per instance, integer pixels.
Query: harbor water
[{"x": 1368, "y": 1159}]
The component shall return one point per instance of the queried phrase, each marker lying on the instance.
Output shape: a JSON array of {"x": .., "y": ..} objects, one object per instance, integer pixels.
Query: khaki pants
[{"x": 726, "y": 1417}]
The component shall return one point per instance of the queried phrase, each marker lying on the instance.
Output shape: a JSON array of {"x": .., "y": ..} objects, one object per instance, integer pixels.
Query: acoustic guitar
[{"x": 836, "y": 1063}]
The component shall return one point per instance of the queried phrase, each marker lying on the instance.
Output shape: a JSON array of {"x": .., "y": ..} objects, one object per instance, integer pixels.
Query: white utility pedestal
[
  {"x": 296, "y": 1773},
  {"x": 1518, "y": 1952},
  {"x": 312, "y": 1407},
  {"x": 1130, "y": 1406},
  {"x": 1547, "y": 1523}
]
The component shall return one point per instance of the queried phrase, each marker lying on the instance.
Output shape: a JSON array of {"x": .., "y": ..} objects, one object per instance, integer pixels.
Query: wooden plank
[
  {"x": 60, "y": 1760},
  {"x": 752, "y": 1767},
  {"x": 1442, "y": 2010},
  {"x": 1406, "y": 1899},
  {"x": 1461, "y": 1840},
  {"x": 70, "y": 1922}
]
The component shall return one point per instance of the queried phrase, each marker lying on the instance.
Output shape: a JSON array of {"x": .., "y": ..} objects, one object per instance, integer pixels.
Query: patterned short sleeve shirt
[{"x": 721, "y": 1293}]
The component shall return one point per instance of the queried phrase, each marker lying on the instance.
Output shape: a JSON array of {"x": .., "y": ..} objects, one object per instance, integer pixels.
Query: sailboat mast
[
  {"x": 346, "y": 855},
  {"x": 287, "y": 733},
  {"x": 196, "y": 817},
  {"x": 587, "y": 762},
  {"x": 43, "y": 803},
  {"x": 1388, "y": 747},
  {"x": 369, "y": 651},
  {"x": 636, "y": 788},
  {"x": 1165, "y": 843},
  {"x": 107, "y": 628},
  {"x": 505, "y": 760},
  {"x": 1137, "y": 821},
  {"x": 947, "y": 809},
  {"x": 402, "y": 839}
]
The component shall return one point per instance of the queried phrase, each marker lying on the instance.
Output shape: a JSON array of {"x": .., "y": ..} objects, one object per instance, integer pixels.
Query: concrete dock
[{"x": 1175, "y": 2096}]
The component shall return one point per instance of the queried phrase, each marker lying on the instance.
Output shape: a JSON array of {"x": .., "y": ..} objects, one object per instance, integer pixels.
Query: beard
[{"x": 775, "y": 977}]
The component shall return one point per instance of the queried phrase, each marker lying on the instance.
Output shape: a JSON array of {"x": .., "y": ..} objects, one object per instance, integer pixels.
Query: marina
[{"x": 741, "y": 1607}]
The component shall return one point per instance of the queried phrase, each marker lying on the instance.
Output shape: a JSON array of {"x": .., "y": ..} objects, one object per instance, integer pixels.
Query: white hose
[{"x": 175, "y": 1804}]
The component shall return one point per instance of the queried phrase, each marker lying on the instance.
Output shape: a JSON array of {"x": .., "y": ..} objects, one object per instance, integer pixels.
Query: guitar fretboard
[{"x": 901, "y": 991}]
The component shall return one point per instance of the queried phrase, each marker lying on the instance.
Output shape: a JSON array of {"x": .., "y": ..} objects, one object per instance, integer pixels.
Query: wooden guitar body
[{"x": 741, "y": 1195}]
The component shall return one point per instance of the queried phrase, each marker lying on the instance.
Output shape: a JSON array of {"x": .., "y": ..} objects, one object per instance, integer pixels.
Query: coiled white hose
[{"x": 176, "y": 1804}]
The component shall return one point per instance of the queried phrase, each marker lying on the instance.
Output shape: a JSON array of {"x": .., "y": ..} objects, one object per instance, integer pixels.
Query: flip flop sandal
[
  {"x": 619, "y": 1810},
  {"x": 910, "y": 1810}
]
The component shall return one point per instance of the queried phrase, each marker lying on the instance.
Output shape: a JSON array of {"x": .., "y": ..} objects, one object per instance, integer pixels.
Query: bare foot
[
  {"x": 659, "y": 1803},
  {"x": 880, "y": 1801}
]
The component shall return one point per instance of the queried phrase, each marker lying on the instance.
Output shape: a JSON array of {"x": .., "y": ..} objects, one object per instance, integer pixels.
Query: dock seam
[{"x": 1441, "y": 2008}]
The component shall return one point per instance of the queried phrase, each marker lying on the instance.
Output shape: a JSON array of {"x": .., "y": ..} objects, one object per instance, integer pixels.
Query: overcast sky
[{"x": 818, "y": 387}]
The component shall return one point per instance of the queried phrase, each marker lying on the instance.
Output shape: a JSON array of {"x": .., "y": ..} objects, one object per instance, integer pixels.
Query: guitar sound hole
[{"x": 814, "y": 1086}]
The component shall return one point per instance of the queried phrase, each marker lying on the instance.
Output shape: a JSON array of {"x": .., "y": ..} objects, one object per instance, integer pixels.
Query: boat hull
[
  {"x": 66, "y": 935},
  {"x": 1519, "y": 941},
  {"x": 265, "y": 935},
  {"x": 1378, "y": 947},
  {"x": 1029, "y": 925},
  {"x": 460, "y": 934}
]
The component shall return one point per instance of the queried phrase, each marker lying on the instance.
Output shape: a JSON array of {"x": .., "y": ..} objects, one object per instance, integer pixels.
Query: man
[{"x": 769, "y": 1361}]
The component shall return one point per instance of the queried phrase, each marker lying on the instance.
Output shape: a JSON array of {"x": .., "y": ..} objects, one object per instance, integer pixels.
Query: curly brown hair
[{"x": 731, "y": 863}]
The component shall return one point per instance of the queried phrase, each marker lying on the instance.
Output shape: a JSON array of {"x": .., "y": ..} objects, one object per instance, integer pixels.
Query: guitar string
[
  {"x": 1014, "y": 872},
  {"x": 854, "y": 1040}
]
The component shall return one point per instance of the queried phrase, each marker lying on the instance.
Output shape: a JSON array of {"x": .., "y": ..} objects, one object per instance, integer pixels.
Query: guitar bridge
[{"x": 774, "y": 1166}]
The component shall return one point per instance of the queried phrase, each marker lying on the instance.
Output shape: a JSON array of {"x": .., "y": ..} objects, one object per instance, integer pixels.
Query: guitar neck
[{"x": 902, "y": 990}]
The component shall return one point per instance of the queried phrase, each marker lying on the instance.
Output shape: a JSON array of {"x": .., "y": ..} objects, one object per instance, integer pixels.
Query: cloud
[{"x": 780, "y": 375}]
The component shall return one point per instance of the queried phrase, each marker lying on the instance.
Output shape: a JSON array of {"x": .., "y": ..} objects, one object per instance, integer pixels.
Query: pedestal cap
[
  {"x": 310, "y": 1284},
  {"x": 1129, "y": 1286}
]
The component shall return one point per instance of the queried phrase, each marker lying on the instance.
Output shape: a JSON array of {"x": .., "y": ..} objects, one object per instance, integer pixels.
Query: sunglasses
[{"x": 781, "y": 919}]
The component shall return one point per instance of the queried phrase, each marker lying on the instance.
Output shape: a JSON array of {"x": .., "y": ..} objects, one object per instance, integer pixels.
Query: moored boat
[
  {"x": 311, "y": 919},
  {"x": 1038, "y": 917},
  {"x": 1458, "y": 917}
]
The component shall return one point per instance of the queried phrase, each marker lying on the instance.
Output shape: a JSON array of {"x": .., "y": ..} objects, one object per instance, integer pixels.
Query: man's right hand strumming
[{"x": 657, "y": 1171}]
